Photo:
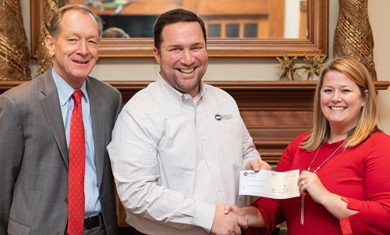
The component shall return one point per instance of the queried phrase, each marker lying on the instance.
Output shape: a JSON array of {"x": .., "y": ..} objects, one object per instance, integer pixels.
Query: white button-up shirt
[{"x": 174, "y": 160}]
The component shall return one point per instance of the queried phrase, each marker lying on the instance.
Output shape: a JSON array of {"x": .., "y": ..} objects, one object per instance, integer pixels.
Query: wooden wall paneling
[
  {"x": 223, "y": 7},
  {"x": 275, "y": 117},
  {"x": 276, "y": 19},
  {"x": 120, "y": 212}
]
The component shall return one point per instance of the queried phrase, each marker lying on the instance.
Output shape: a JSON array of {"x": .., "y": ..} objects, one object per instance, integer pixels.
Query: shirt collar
[
  {"x": 65, "y": 91},
  {"x": 203, "y": 88},
  {"x": 175, "y": 95}
]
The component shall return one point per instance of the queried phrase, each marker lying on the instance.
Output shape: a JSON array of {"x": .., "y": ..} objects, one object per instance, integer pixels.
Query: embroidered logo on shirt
[{"x": 219, "y": 117}]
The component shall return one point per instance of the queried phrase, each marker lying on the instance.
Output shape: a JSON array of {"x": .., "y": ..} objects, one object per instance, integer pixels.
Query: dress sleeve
[
  {"x": 374, "y": 212},
  {"x": 11, "y": 153},
  {"x": 133, "y": 154},
  {"x": 271, "y": 209}
]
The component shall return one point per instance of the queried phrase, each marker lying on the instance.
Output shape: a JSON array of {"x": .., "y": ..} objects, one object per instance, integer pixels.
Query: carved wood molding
[{"x": 244, "y": 85}]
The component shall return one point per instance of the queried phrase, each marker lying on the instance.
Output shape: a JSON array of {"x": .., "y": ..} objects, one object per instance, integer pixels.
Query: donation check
[{"x": 271, "y": 184}]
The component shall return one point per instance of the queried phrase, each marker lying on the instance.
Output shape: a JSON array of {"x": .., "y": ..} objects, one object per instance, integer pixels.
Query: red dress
[{"x": 361, "y": 175}]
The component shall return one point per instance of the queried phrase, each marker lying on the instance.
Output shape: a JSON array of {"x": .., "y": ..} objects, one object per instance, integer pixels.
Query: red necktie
[{"x": 76, "y": 197}]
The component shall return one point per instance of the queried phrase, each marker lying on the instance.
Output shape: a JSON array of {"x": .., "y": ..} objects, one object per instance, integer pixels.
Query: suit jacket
[{"x": 34, "y": 156}]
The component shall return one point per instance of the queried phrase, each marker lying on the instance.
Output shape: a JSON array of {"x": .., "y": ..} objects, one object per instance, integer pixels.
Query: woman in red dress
[{"x": 344, "y": 163}]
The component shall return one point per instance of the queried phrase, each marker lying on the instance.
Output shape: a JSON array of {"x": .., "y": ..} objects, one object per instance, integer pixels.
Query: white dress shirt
[{"x": 174, "y": 160}]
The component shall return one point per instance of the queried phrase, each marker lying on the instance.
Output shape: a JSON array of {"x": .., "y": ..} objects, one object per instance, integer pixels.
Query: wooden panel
[
  {"x": 139, "y": 7},
  {"x": 276, "y": 19},
  {"x": 303, "y": 19},
  {"x": 229, "y": 7},
  {"x": 261, "y": 21},
  {"x": 36, "y": 20},
  {"x": 120, "y": 212},
  {"x": 203, "y": 7},
  {"x": 270, "y": 119}
]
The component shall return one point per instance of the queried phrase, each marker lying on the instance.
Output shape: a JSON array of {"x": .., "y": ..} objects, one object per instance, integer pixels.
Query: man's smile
[{"x": 186, "y": 70}]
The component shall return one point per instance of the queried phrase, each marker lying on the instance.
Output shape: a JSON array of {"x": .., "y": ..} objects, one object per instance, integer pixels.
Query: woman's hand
[{"x": 310, "y": 182}]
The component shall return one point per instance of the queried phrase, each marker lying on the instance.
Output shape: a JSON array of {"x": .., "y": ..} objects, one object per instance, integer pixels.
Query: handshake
[{"x": 228, "y": 220}]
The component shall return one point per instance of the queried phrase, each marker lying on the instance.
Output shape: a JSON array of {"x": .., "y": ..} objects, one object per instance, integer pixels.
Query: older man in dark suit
[{"x": 55, "y": 172}]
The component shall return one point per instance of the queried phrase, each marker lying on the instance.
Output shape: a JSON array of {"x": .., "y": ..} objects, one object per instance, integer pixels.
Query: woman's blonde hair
[{"x": 367, "y": 123}]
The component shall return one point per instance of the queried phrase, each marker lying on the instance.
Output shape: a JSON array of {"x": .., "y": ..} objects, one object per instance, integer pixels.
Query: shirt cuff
[
  {"x": 352, "y": 204},
  {"x": 204, "y": 216}
]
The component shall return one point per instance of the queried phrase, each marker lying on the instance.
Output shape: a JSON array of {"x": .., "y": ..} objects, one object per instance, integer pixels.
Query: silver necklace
[{"x": 308, "y": 169}]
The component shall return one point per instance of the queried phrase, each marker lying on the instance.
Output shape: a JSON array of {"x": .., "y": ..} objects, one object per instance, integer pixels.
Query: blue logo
[{"x": 218, "y": 117}]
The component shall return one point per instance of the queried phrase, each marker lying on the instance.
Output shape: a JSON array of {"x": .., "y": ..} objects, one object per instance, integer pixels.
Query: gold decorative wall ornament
[
  {"x": 14, "y": 54},
  {"x": 288, "y": 67},
  {"x": 44, "y": 59},
  {"x": 313, "y": 65},
  {"x": 353, "y": 36}
]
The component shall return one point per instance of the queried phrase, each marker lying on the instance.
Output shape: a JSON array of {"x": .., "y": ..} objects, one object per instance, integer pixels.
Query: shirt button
[
  {"x": 66, "y": 199},
  {"x": 212, "y": 165},
  {"x": 89, "y": 204},
  {"x": 219, "y": 189},
  {"x": 86, "y": 180}
]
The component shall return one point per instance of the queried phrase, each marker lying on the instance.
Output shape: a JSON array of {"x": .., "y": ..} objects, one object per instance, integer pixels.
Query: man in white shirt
[{"x": 179, "y": 144}]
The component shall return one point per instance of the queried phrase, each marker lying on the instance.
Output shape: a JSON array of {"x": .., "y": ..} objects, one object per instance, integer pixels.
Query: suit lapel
[
  {"x": 51, "y": 106},
  {"x": 98, "y": 126}
]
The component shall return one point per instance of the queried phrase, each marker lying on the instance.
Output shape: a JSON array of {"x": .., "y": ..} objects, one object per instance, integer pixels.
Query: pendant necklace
[{"x": 308, "y": 169}]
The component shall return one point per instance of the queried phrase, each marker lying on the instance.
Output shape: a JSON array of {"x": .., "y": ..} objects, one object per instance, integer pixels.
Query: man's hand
[
  {"x": 256, "y": 165},
  {"x": 236, "y": 210},
  {"x": 227, "y": 223},
  {"x": 250, "y": 213}
]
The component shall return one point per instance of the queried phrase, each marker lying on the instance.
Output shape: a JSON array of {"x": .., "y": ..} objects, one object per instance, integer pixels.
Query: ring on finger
[{"x": 303, "y": 182}]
